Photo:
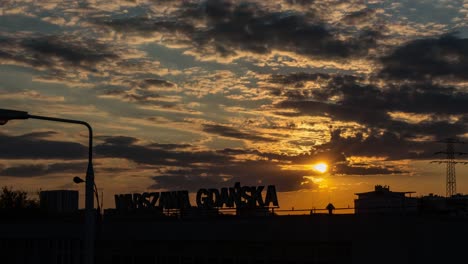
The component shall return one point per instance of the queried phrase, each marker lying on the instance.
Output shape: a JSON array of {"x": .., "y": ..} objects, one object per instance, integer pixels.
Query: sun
[{"x": 321, "y": 167}]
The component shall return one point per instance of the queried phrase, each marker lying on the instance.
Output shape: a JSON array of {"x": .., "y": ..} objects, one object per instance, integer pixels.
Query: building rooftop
[{"x": 382, "y": 189}]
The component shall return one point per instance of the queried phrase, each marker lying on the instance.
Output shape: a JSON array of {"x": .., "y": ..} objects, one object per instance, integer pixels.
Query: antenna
[{"x": 451, "y": 184}]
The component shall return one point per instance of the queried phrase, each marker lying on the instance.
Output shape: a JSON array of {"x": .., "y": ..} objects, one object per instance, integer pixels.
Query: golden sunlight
[{"x": 321, "y": 167}]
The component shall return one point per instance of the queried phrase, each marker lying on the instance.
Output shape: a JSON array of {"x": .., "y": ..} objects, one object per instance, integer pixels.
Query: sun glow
[{"x": 321, "y": 167}]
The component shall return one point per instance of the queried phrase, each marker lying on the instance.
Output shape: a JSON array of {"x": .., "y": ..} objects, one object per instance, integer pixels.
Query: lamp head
[
  {"x": 77, "y": 179},
  {"x": 7, "y": 115}
]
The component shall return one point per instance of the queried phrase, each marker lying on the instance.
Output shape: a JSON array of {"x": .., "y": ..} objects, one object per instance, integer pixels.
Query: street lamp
[
  {"x": 78, "y": 180},
  {"x": 7, "y": 115}
]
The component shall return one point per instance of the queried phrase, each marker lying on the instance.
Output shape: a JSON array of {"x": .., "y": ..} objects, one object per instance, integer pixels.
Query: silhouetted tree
[{"x": 10, "y": 198}]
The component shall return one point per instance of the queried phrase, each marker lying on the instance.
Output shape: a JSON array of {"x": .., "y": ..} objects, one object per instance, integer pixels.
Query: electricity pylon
[{"x": 451, "y": 181}]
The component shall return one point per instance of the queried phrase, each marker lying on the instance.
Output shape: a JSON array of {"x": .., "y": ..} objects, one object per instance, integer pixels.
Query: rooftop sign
[{"x": 237, "y": 196}]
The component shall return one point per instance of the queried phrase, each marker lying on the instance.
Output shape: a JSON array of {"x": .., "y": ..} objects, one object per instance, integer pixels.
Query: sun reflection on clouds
[{"x": 320, "y": 182}]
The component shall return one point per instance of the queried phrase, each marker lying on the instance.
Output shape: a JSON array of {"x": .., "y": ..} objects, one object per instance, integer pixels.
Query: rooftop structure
[
  {"x": 384, "y": 201},
  {"x": 59, "y": 200}
]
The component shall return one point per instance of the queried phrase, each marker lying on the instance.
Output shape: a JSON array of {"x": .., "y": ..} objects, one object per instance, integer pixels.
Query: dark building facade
[
  {"x": 317, "y": 238},
  {"x": 251, "y": 235},
  {"x": 384, "y": 201}
]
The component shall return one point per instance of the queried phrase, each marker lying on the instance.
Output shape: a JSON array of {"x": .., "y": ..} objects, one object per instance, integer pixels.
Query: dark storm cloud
[
  {"x": 128, "y": 141},
  {"x": 38, "y": 135},
  {"x": 68, "y": 48},
  {"x": 137, "y": 95},
  {"x": 156, "y": 83},
  {"x": 232, "y": 27},
  {"x": 388, "y": 144},
  {"x": 377, "y": 119},
  {"x": 366, "y": 170},
  {"x": 45, "y": 49},
  {"x": 300, "y": 2},
  {"x": 42, "y": 170},
  {"x": 298, "y": 79},
  {"x": 184, "y": 180},
  {"x": 23, "y": 171},
  {"x": 317, "y": 154},
  {"x": 247, "y": 172},
  {"x": 247, "y": 27},
  {"x": 31, "y": 147},
  {"x": 210, "y": 168},
  {"x": 144, "y": 25},
  {"x": 158, "y": 156},
  {"x": 203, "y": 168},
  {"x": 119, "y": 140},
  {"x": 147, "y": 91},
  {"x": 423, "y": 59},
  {"x": 227, "y": 131},
  {"x": 306, "y": 158},
  {"x": 360, "y": 16},
  {"x": 370, "y": 105},
  {"x": 231, "y": 151},
  {"x": 169, "y": 146},
  {"x": 195, "y": 168},
  {"x": 338, "y": 149},
  {"x": 258, "y": 172}
]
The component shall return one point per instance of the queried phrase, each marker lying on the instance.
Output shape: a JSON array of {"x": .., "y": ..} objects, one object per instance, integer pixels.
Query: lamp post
[
  {"x": 78, "y": 180},
  {"x": 90, "y": 221}
]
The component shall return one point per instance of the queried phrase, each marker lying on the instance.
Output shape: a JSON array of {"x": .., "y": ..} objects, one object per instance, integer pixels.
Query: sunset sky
[{"x": 189, "y": 94}]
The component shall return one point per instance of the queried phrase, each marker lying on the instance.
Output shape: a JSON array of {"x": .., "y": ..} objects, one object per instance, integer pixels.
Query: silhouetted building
[
  {"x": 197, "y": 236},
  {"x": 384, "y": 201},
  {"x": 439, "y": 205},
  {"x": 59, "y": 200}
]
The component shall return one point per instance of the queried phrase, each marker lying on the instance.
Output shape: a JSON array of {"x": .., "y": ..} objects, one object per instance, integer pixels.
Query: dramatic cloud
[
  {"x": 189, "y": 94},
  {"x": 366, "y": 169},
  {"x": 54, "y": 51},
  {"x": 248, "y": 173},
  {"x": 156, "y": 83},
  {"x": 29, "y": 146},
  {"x": 224, "y": 168},
  {"x": 67, "y": 48},
  {"x": 135, "y": 95},
  {"x": 155, "y": 154},
  {"x": 226, "y": 131},
  {"x": 360, "y": 17},
  {"x": 177, "y": 167},
  {"x": 347, "y": 98},
  {"x": 119, "y": 140},
  {"x": 229, "y": 28},
  {"x": 198, "y": 168},
  {"x": 388, "y": 145},
  {"x": 43, "y": 170},
  {"x": 423, "y": 59}
]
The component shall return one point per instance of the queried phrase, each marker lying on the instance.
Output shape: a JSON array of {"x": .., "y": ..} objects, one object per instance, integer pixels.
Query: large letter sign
[
  {"x": 167, "y": 200},
  {"x": 238, "y": 196},
  {"x": 245, "y": 196}
]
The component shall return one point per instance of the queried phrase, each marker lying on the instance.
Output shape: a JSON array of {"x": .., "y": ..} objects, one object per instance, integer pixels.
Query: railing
[{"x": 196, "y": 212}]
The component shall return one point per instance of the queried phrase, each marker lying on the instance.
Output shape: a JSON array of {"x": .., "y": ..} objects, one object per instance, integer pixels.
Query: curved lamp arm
[{"x": 7, "y": 115}]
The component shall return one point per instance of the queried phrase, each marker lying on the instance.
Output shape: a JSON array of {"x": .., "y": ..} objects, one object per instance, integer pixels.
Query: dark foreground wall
[{"x": 272, "y": 239}]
